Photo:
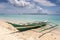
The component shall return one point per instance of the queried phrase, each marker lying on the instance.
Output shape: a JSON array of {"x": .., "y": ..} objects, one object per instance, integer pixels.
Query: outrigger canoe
[{"x": 28, "y": 26}]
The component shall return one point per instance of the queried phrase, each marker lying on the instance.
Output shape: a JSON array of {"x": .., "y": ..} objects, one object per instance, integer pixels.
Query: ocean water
[{"x": 31, "y": 18}]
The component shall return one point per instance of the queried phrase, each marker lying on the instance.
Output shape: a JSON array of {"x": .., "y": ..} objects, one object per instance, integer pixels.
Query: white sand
[{"x": 6, "y": 29}]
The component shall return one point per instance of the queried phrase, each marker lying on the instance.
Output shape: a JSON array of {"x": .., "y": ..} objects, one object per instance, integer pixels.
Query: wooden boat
[{"x": 29, "y": 26}]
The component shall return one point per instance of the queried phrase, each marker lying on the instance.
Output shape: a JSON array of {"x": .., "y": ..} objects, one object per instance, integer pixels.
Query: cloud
[
  {"x": 45, "y": 2},
  {"x": 28, "y": 6},
  {"x": 9, "y": 9},
  {"x": 28, "y": 3},
  {"x": 3, "y": 5},
  {"x": 31, "y": 4},
  {"x": 21, "y": 3}
]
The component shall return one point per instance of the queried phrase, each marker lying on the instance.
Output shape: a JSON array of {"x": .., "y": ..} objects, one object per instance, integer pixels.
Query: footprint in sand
[{"x": 53, "y": 35}]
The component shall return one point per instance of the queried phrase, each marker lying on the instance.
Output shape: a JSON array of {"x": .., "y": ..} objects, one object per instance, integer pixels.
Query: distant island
[
  {"x": 25, "y": 14},
  {"x": 34, "y": 13}
]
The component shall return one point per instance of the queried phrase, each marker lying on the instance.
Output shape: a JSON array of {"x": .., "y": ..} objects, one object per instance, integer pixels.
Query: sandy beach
[{"x": 8, "y": 32}]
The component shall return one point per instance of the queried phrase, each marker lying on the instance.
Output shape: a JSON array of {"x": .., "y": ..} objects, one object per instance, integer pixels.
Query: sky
[{"x": 29, "y": 6}]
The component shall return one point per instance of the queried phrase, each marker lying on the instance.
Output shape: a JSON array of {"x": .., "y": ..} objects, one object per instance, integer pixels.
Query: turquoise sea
[{"x": 30, "y": 18}]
